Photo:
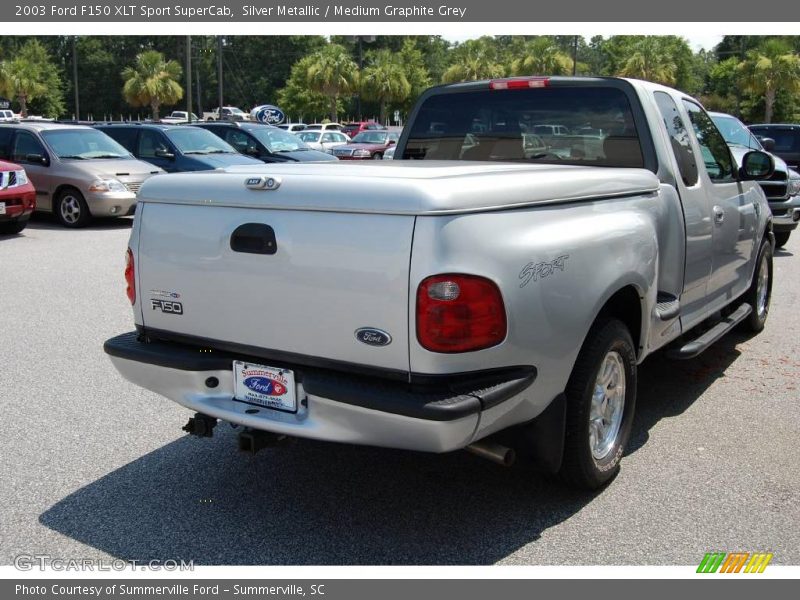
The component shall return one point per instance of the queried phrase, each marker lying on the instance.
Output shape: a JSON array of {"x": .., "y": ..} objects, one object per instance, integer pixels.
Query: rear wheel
[
  {"x": 760, "y": 293},
  {"x": 601, "y": 396},
  {"x": 781, "y": 237},
  {"x": 71, "y": 209},
  {"x": 377, "y": 156}
]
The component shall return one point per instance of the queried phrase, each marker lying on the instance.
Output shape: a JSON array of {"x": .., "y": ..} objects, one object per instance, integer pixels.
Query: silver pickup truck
[{"x": 493, "y": 289}]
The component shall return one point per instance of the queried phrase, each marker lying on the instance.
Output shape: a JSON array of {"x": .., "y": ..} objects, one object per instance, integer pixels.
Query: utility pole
[
  {"x": 574, "y": 55},
  {"x": 219, "y": 77},
  {"x": 75, "y": 77},
  {"x": 189, "y": 78}
]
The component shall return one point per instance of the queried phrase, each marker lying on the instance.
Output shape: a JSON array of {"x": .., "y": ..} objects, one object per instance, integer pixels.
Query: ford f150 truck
[{"x": 479, "y": 292}]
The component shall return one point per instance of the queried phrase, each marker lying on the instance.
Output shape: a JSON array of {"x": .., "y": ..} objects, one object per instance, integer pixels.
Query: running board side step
[
  {"x": 700, "y": 344},
  {"x": 668, "y": 307}
]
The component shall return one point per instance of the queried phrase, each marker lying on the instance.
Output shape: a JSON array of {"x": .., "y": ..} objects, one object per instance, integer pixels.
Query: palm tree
[
  {"x": 769, "y": 68},
  {"x": 474, "y": 60},
  {"x": 152, "y": 81},
  {"x": 542, "y": 57},
  {"x": 21, "y": 79},
  {"x": 651, "y": 60},
  {"x": 385, "y": 80},
  {"x": 332, "y": 73}
]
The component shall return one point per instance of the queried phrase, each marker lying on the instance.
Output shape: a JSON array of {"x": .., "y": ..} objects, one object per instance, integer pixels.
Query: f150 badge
[
  {"x": 167, "y": 306},
  {"x": 536, "y": 271}
]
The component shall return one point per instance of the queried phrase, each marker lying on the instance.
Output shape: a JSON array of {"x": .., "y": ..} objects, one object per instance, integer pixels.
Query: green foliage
[
  {"x": 332, "y": 73},
  {"x": 384, "y": 79},
  {"x": 31, "y": 78},
  {"x": 541, "y": 56},
  {"x": 770, "y": 68},
  {"x": 474, "y": 60},
  {"x": 152, "y": 81},
  {"x": 298, "y": 100}
]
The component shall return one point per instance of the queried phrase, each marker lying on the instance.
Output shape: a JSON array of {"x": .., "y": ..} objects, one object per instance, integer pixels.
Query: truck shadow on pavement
[{"x": 319, "y": 503}]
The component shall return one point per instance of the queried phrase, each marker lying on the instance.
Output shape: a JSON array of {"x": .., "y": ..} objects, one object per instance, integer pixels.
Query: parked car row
[{"x": 81, "y": 171}]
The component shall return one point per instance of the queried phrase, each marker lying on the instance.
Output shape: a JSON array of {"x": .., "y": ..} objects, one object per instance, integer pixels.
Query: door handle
[{"x": 719, "y": 215}]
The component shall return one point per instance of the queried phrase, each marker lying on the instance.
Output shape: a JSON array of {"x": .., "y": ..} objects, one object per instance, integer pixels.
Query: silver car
[{"x": 78, "y": 172}]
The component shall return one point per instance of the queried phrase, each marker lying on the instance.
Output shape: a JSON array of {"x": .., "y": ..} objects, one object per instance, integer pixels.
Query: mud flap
[{"x": 542, "y": 439}]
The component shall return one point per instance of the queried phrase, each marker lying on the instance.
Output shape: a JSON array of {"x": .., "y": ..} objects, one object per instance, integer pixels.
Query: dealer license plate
[
  {"x": 2, "y": 208},
  {"x": 264, "y": 386}
]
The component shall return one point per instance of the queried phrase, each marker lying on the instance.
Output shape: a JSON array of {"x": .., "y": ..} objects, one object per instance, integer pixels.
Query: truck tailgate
[{"x": 325, "y": 276}]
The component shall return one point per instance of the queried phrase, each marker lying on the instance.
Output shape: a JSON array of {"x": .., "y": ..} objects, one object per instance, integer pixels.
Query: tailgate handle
[{"x": 254, "y": 238}]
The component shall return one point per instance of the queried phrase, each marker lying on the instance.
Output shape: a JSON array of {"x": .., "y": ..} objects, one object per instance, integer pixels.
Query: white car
[
  {"x": 293, "y": 127},
  {"x": 323, "y": 140},
  {"x": 325, "y": 126},
  {"x": 7, "y": 116}
]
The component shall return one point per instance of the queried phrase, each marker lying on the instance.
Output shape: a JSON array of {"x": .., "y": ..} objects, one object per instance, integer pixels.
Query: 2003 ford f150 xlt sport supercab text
[{"x": 492, "y": 289}]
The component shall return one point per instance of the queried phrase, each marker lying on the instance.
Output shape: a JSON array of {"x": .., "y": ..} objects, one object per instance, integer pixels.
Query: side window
[
  {"x": 714, "y": 150},
  {"x": 679, "y": 138},
  {"x": 125, "y": 136},
  {"x": 25, "y": 144},
  {"x": 149, "y": 143},
  {"x": 328, "y": 137},
  {"x": 5, "y": 143},
  {"x": 239, "y": 140}
]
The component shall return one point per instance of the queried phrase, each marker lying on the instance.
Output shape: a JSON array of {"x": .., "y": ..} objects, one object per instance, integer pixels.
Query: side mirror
[
  {"x": 252, "y": 151},
  {"x": 768, "y": 143},
  {"x": 161, "y": 153},
  {"x": 756, "y": 165},
  {"x": 392, "y": 142},
  {"x": 37, "y": 159}
]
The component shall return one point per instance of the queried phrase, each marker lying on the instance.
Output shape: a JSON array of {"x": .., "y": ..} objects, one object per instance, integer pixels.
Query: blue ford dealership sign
[{"x": 266, "y": 113}]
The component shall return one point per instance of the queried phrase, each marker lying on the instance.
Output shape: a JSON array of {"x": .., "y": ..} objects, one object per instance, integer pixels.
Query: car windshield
[
  {"x": 528, "y": 125},
  {"x": 193, "y": 140},
  {"x": 278, "y": 140},
  {"x": 309, "y": 136},
  {"x": 372, "y": 137},
  {"x": 734, "y": 132},
  {"x": 83, "y": 144}
]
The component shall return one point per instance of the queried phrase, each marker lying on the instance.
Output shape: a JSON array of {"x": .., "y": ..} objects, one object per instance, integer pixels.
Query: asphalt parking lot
[{"x": 96, "y": 467}]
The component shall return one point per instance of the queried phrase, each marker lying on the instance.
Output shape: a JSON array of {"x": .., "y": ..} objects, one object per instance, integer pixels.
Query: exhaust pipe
[
  {"x": 253, "y": 440},
  {"x": 497, "y": 453}
]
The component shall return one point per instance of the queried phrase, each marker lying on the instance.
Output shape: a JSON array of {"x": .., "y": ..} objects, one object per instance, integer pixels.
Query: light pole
[
  {"x": 75, "y": 77},
  {"x": 189, "y": 79}
]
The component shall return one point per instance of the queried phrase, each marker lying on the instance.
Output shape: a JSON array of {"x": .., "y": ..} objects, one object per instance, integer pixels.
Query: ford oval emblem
[
  {"x": 265, "y": 385},
  {"x": 373, "y": 337}
]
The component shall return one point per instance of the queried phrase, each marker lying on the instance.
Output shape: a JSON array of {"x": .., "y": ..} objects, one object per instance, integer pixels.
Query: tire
[
  {"x": 594, "y": 444},
  {"x": 760, "y": 293},
  {"x": 13, "y": 227},
  {"x": 781, "y": 237},
  {"x": 71, "y": 209},
  {"x": 377, "y": 156}
]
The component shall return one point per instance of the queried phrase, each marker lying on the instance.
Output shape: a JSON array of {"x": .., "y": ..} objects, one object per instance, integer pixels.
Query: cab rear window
[{"x": 558, "y": 125}]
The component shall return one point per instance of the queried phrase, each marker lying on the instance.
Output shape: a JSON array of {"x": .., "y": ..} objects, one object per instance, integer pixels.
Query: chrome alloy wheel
[
  {"x": 608, "y": 404},
  {"x": 70, "y": 209},
  {"x": 762, "y": 289}
]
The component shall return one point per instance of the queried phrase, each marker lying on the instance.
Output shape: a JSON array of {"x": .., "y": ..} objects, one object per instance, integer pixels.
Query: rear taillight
[
  {"x": 459, "y": 313},
  {"x": 129, "y": 277}
]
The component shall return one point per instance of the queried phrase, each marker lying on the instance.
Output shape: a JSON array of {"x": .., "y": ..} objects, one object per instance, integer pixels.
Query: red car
[
  {"x": 17, "y": 198},
  {"x": 367, "y": 145},
  {"x": 353, "y": 129}
]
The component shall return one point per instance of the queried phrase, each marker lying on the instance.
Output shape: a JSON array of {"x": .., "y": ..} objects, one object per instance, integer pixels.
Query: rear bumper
[{"x": 333, "y": 406}]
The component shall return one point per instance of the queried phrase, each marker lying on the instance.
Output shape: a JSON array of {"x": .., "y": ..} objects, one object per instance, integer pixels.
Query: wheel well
[
  {"x": 57, "y": 193},
  {"x": 626, "y": 306}
]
